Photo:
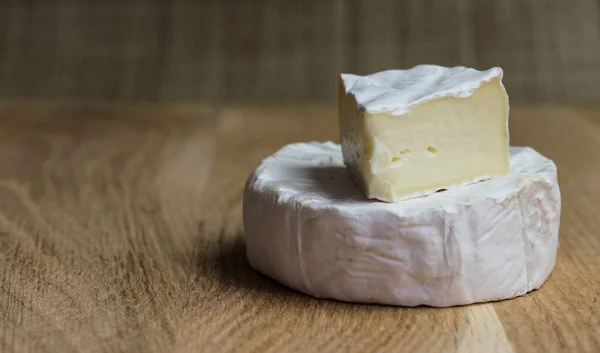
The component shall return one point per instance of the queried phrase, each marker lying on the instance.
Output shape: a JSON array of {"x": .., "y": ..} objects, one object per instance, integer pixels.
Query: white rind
[
  {"x": 426, "y": 192},
  {"x": 309, "y": 227},
  {"x": 397, "y": 91}
]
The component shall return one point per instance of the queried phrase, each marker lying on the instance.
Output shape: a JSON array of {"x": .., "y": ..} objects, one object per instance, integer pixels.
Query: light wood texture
[
  {"x": 289, "y": 50},
  {"x": 120, "y": 230}
]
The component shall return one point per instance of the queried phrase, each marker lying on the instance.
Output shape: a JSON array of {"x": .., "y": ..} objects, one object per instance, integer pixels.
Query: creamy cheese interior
[{"x": 438, "y": 144}]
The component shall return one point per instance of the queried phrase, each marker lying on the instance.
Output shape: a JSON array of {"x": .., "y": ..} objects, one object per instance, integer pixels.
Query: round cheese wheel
[{"x": 308, "y": 226}]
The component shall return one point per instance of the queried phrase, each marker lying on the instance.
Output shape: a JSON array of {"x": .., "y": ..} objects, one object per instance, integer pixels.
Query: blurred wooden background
[{"x": 273, "y": 50}]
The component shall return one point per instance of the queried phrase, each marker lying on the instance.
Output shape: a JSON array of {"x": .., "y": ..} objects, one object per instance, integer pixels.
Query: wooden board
[{"x": 120, "y": 230}]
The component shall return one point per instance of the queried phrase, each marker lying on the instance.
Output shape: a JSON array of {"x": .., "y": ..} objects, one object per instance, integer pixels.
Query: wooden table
[{"x": 120, "y": 230}]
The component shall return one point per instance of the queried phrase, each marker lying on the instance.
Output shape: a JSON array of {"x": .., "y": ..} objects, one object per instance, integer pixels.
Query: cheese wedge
[
  {"x": 309, "y": 227},
  {"x": 410, "y": 133}
]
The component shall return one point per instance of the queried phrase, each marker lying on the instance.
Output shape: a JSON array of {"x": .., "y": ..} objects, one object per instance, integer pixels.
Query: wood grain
[{"x": 120, "y": 230}]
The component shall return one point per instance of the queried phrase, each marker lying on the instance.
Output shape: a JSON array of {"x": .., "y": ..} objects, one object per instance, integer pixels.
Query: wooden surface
[
  {"x": 120, "y": 230},
  {"x": 257, "y": 50}
]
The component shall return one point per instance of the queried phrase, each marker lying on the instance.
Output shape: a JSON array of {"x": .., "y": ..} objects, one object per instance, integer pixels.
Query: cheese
[
  {"x": 411, "y": 133},
  {"x": 309, "y": 227}
]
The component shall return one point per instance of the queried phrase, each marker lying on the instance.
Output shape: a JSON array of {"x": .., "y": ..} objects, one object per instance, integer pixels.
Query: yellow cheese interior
[{"x": 438, "y": 144}]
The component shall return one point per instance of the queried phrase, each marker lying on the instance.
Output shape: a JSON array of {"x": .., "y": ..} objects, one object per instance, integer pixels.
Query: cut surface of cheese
[
  {"x": 308, "y": 226},
  {"x": 409, "y": 133}
]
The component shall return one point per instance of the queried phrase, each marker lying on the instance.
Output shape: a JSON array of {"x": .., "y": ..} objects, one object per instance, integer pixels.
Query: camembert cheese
[
  {"x": 409, "y": 133},
  {"x": 309, "y": 227}
]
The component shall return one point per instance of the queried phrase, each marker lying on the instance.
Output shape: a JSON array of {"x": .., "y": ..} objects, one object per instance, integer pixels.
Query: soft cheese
[
  {"x": 309, "y": 227},
  {"x": 409, "y": 133}
]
